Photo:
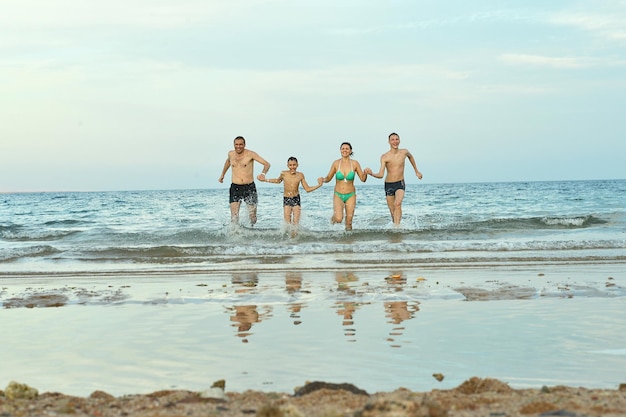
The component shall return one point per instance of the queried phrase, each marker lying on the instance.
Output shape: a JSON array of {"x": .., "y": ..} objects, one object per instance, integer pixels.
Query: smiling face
[
  {"x": 346, "y": 150},
  {"x": 394, "y": 141},
  {"x": 292, "y": 165},
  {"x": 240, "y": 145}
]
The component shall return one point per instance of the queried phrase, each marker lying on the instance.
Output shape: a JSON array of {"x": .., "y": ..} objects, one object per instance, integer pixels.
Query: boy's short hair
[{"x": 292, "y": 158}]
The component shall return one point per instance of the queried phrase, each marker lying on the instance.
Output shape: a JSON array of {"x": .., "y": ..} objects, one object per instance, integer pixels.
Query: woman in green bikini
[{"x": 345, "y": 170}]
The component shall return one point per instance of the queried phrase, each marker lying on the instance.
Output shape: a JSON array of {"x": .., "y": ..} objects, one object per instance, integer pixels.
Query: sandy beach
[{"x": 475, "y": 397}]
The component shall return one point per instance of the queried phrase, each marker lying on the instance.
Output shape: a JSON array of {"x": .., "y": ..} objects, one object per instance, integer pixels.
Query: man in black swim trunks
[
  {"x": 393, "y": 161},
  {"x": 241, "y": 160}
]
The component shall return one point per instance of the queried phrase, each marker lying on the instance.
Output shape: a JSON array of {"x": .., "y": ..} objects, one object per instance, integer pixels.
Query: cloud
[
  {"x": 606, "y": 26},
  {"x": 136, "y": 14},
  {"x": 548, "y": 61},
  {"x": 569, "y": 62},
  {"x": 437, "y": 22}
]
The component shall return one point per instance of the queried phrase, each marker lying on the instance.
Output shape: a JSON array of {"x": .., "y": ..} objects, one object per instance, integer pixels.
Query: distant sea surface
[{"x": 190, "y": 230}]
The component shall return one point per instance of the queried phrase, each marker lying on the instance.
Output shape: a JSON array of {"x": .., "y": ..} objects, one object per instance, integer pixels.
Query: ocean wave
[
  {"x": 15, "y": 254},
  {"x": 267, "y": 251},
  {"x": 434, "y": 229},
  {"x": 9, "y": 229},
  {"x": 231, "y": 244},
  {"x": 65, "y": 222},
  {"x": 156, "y": 254},
  {"x": 23, "y": 234},
  {"x": 573, "y": 222},
  {"x": 514, "y": 224}
]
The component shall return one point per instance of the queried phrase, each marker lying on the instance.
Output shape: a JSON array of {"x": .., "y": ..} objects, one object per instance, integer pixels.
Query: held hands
[
  {"x": 261, "y": 177},
  {"x": 368, "y": 171},
  {"x": 320, "y": 181}
]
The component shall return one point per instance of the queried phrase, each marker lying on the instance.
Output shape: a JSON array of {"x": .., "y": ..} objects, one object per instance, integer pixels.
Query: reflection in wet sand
[
  {"x": 347, "y": 311},
  {"x": 345, "y": 282},
  {"x": 293, "y": 282},
  {"x": 347, "y": 297},
  {"x": 293, "y": 285},
  {"x": 295, "y": 309},
  {"x": 398, "y": 312},
  {"x": 248, "y": 281},
  {"x": 244, "y": 317}
]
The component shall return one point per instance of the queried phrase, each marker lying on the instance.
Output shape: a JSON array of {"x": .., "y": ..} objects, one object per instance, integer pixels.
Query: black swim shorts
[
  {"x": 392, "y": 187},
  {"x": 244, "y": 192},
  {"x": 291, "y": 201}
]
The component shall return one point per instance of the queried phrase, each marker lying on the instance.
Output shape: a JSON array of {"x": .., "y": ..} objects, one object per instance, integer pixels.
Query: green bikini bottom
[{"x": 345, "y": 197}]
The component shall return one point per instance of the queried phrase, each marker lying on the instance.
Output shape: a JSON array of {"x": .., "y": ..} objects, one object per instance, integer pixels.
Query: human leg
[
  {"x": 235, "y": 202},
  {"x": 338, "y": 205},
  {"x": 292, "y": 209},
  {"x": 287, "y": 210},
  {"x": 350, "y": 206},
  {"x": 234, "y": 211},
  {"x": 251, "y": 198},
  {"x": 397, "y": 211},
  {"x": 252, "y": 213},
  {"x": 391, "y": 204},
  {"x": 395, "y": 194},
  {"x": 296, "y": 215}
]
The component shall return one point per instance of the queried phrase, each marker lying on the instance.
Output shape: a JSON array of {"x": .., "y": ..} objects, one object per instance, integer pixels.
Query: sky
[{"x": 149, "y": 94}]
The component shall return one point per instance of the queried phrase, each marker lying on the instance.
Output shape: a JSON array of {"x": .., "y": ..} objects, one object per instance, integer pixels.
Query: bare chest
[
  {"x": 240, "y": 162},
  {"x": 395, "y": 158}
]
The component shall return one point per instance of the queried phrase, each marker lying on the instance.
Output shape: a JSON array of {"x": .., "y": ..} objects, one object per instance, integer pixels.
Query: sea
[
  {"x": 138, "y": 291},
  {"x": 564, "y": 221}
]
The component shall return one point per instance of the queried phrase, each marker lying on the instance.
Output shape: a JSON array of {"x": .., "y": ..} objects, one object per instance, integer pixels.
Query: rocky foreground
[{"x": 475, "y": 397}]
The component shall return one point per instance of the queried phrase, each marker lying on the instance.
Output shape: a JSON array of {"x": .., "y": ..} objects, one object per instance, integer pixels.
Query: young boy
[{"x": 291, "y": 195}]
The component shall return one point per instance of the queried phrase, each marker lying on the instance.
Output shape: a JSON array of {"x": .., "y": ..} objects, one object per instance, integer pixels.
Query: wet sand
[{"x": 477, "y": 396}]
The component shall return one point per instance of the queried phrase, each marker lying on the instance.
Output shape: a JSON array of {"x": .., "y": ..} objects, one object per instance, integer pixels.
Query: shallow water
[
  {"x": 377, "y": 328},
  {"x": 190, "y": 230}
]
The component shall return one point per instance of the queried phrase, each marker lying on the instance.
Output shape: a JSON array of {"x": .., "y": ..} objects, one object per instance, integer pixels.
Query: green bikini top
[
  {"x": 340, "y": 176},
  {"x": 349, "y": 177}
]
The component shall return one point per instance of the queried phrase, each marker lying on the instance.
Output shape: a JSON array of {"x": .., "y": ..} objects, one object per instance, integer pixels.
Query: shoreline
[
  {"x": 499, "y": 282},
  {"x": 283, "y": 263},
  {"x": 474, "y": 397}
]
